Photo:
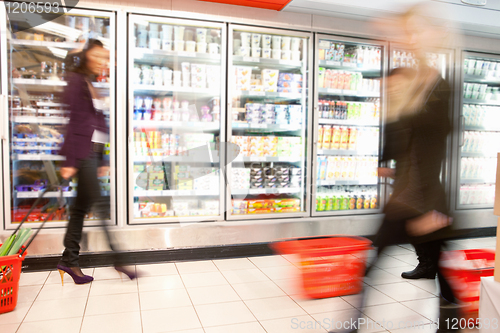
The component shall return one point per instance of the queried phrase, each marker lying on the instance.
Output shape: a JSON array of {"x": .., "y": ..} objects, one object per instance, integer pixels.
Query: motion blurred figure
[{"x": 86, "y": 135}]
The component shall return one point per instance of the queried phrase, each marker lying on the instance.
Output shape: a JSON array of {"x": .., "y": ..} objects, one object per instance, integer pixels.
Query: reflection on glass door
[
  {"x": 175, "y": 92},
  {"x": 480, "y": 131},
  {"x": 348, "y": 120},
  {"x": 37, "y": 69},
  {"x": 268, "y": 86}
]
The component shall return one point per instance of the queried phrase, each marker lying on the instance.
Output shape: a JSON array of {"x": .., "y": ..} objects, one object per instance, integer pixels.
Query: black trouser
[{"x": 88, "y": 196}]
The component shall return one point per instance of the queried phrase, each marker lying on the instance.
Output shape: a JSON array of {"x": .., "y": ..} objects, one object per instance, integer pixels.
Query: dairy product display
[
  {"x": 176, "y": 120},
  {"x": 269, "y": 107},
  {"x": 348, "y": 119},
  {"x": 480, "y": 135}
]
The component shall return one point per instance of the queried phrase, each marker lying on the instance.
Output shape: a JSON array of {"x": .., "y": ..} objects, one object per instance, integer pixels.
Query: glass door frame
[
  {"x": 447, "y": 170},
  {"x": 130, "y": 111},
  {"x": 308, "y": 119},
  {"x": 460, "y": 133},
  {"x": 383, "y": 71},
  {"x": 112, "y": 118}
]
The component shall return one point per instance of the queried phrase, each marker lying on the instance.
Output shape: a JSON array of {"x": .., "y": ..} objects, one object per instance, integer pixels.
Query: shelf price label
[
  {"x": 334, "y": 91},
  {"x": 350, "y": 65},
  {"x": 250, "y": 59},
  {"x": 333, "y": 63}
]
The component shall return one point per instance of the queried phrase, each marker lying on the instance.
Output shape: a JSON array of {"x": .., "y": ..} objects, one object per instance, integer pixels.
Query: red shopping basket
[
  {"x": 331, "y": 266},
  {"x": 10, "y": 272},
  {"x": 463, "y": 269}
]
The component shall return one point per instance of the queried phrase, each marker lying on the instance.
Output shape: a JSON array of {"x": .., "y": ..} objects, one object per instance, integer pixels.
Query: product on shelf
[
  {"x": 481, "y": 92},
  {"x": 348, "y": 138},
  {"x": 268, "y": 146},
  {"x": 362, "y": 111},
  {"x": 290, "y": 83},
  {"x": 481, "y": 115},
  {"x": 477, "y": 194},
  {"x": 168, "y": 109},
  {"x": 342, "y": 80},
  {"x": 481, "y": 67},
  {"x": 481, "y": 142},
  {"x": 478, "y": 168},
  {"x": 270, "y": 114},
  {"x": 177, "y": 207},
  {"x": 265, "y": 206},
  {"x": 191, "y": 75},
  {"x": 266, "y": 177},
  {"x": 161, "y": 143},
  {"x": 362, "y": 168},
  {"x": 360, "y": 55},
  {"x": 346, "y": 198},
  {"x": 259, "y": 46}
]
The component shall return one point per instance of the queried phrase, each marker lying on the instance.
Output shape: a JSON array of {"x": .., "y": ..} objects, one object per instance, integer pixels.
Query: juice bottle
[
  {"x": 327, "y": 137},
  {"x": 331, "y": 199},
  {"x": 331, "y": 114},
  {"x": 336, "y": 138},
  {"x": 344, "y": 138},
  {"x": 344, "y": 203},
  {"x": 366, "y": 204},
  {"x": 359, "y": 201},
  {"x": 353, "y": 137},
  {"x": 335, "y": 80},
  {"x": 373, "y": 201},
  {"x": 352, "y": 201},
  {"x": 324, "y": 199}
]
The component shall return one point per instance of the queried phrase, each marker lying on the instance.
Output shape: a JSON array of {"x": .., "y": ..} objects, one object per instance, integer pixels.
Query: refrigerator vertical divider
[
  {"x": 308, "y": 119},
  {"x": 121, "y": 121},
  {"x": 4, "y": 100},
  {"x": 223, "y": 120},
  {"x": 315, "y": 125},
  {"x": 113, "y": 117},
  {"x": 129, "y": 114},
  {"x": 229, "y": 105}
]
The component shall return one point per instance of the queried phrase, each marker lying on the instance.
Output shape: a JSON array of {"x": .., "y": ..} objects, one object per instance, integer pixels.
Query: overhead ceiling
[{"x": 484, "y": 20}]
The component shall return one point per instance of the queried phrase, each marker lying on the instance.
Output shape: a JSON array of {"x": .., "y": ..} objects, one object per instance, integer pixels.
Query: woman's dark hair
[{"x": 77, "y": 62}]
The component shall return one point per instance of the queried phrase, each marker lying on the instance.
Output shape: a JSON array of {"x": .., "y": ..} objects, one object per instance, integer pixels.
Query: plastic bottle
[{"x": 331, "y": 200}]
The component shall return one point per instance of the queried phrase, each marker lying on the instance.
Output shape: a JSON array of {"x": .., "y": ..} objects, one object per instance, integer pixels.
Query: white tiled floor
[{"x": 243, "y": 295}]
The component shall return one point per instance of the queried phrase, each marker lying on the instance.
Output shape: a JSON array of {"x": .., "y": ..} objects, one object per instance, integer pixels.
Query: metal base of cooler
[{"x": 205, "y": 234}]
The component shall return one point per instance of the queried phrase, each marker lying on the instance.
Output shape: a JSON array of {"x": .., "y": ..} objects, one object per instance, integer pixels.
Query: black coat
[{"x": 418, "y": 145}]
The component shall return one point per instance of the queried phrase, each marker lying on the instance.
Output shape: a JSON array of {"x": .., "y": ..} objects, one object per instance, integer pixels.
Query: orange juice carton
[
  {"x": 327, "y": 137},
  {"x": 351, "y": 168},
  {"x": 345, "y": 168},
  {"x": 353, "y": 138},
  {"x": 344, "y": 138},
  {"x": 336, "y": 136},
  {"x": 320, "y": 136},
  {"x": 338, "y": 168},
  {"x": 322, "y": 167},
  {"x": 330, "y": 169}
]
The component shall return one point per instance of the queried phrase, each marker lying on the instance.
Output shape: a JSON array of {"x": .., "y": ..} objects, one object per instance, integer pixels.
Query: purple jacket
[{"x": 83, "y": 120}]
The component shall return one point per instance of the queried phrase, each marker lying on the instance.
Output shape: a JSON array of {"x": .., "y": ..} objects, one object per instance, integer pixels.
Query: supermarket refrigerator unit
[
  {"x": 33, "y": 79},
  {"x": 175, "y": 120},
  {"x": 347, "y": 126},
  {"x": 269, "y": 123},
  {"x": 478, "y": 135}
]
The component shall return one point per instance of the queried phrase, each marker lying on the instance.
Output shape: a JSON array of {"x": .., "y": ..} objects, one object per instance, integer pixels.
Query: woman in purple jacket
[{"x": 86, "y": 135}]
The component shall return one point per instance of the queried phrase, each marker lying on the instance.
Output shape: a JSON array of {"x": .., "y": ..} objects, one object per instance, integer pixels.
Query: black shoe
[
  {"x": 449, "y": 317},
  {"x": 422, "y": 271}
]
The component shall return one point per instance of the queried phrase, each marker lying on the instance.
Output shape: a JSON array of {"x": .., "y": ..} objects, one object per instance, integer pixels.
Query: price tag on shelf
[
  {"x": 333, "y": 63},
  {"x": 258, "y": 93},
  {"x": 187, "y": 54},
  {"x": 185, "y": 192},
  {"x": 290, "y": 62},
  {"x": 254, "y": 191},
  {"x": 334, "y": 91},
  {"x": 350, "y": 65},
  {"x": 250, "y": 59}
]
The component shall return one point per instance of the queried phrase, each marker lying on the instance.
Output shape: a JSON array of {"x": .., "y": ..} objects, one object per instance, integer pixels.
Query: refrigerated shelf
[
  {"x": 291, "y": 159},
  {"x": 348, "y": 122},
  {"x": 482, "y": 128},
  {"x": 340, "y": 92},
  {"x": 346, "y": 182},
  {"x": 346, "y": 152},
  {"x": 477, "y": 181},
  {"x": 179, "y": 125},
  {"x": 267, "y": 128},
  {"x": 176, "y": 159},
  {"x": 68, "y": 194},
  {"x": 268, "y": 63},
  {"x": 164, "y": 90},
  {"x": 268, "y": 94},
  {"x": 349, "y": 66},
  {"x": 61, "y": 45},
  {"x": 481, "y": 79},
  {"x": 174, "y": 193},
  {"x": 481, "y": 102},
  {"x": 42, "y": 85},
  {"x": 470, "y": 154},
  {"x": 40, "y": 120},
  {"x": 38, "y": 157},
  {"x": 162, "y": 57},
  {"x": 266, "y": 191}
]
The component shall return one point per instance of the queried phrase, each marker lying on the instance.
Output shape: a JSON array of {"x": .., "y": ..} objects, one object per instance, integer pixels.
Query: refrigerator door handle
[{"x": 462, "y": 131}]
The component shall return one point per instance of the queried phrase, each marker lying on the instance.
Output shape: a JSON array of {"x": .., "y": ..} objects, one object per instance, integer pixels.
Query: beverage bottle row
[
  {"x": 349, "y": 110},
  {"x": 479, "y": 168},
  {"x": 343, "y": 198},
  {"x": 334, "y": 79},
  {"x": 477, "y": 194},
  {"x": 480, "y": 115},
  {"x": 348, "y": 168},
  {"x": 481, "y": 142},
  {"x": 361, "y": 55},
  {"x": 348, "y": 138}
]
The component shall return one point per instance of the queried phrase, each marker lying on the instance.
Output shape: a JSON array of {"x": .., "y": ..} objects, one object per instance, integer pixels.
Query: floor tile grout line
[
  {"x": 239, "y": 294},
  {"x": 43, "y": 285},
  {"x": 185, "y": 289},
  {"x": 86, "y": 303}
]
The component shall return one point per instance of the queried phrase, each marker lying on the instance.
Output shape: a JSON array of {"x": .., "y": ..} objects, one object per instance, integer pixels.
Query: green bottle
[{"x": 329, "y": 204}]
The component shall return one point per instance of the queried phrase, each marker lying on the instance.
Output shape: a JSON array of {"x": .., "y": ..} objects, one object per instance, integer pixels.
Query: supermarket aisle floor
[{"x": 244, "y": 295}]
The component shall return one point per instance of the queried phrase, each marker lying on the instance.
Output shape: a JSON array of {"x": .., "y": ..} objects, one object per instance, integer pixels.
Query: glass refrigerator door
[
  {"x": 35, "y": 74},
  {"x": 175, "y": 93},
  {"x": 480, "y": 131},
  {"x": 348, "y": 117},
  {"x": 269, "y": 93}
]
